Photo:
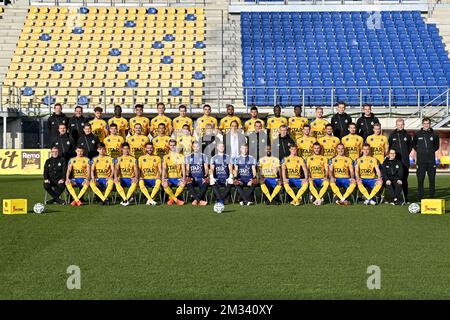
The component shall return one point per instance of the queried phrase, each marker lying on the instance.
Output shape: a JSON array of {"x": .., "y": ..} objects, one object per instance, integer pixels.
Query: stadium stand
[
  {"x": 110, "y": 55},
  {"x": 311, "y": 58}
]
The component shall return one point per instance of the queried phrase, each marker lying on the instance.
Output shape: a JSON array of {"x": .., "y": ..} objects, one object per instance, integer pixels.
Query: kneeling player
[
  {"x": 342, "y": 175},
  {"x": 197, "y": 174},
  {"x": 149, "y": 174},
  {"x": 102, "y": 173},
  {"x": 174, "y": 174},
  {"x": 318, "y": 172},
  {"x": 78, "y": 172},
  {"x": 269, "y": 171},
  {"x": 221, "y": 174},
  {"x": 126, "y": 174},
  {"x": 245, "y": 176},
  {"x": 291, "y": 169},
  {"x": 368, "y": 175}
]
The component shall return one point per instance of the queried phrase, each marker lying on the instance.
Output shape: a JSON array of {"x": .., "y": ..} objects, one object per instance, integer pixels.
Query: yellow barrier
[
  {"x": 432, "y": 206},
  {"x": 15, "y": 206},
  {"x": 23, "y": 161}
]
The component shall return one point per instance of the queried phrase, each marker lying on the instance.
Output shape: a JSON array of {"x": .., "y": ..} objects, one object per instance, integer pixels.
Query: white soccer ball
[
  {"x": 38, "y": 208},
  {"x": 219, "y": 207},
  {"x": 414, "y": 208}
]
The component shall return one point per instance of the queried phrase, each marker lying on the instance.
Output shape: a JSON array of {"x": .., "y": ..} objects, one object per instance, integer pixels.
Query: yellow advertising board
[
  {"x": 23, "y": 161},
  {"x": 15, "y": 206},
  {"x": 432, "y": 206}
]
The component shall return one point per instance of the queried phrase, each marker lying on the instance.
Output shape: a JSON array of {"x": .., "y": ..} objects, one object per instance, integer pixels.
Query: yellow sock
[
  {"x": 155, "y": 189},
  {"x": 131, "y": 190},
  {"x": 179, "y": 191},
  {"x": 349, "y": 191},
  {"x": 276, "y": 190},
  {"x": 120, "y": 191},
  {"x": 301, "y": 191},
  {"x": 324, "y": 189},
  {"x": 375, "y": 190},
  {"x": 109, "y": 187},
  {"x": 336, "y": 191},
  {"x": 72, "y": 192},
  {"x": 83, "y": 191},
  {"x": 96, "y": 190},
  {"x": 144, "y": 189},
  {"x": 313, "y": 190},
  {"x": 363, "y": 190},
  {"x": 266, "y": 192},
  {"x": 169, "y": 192},
  {"x": 290, "y": 192}
]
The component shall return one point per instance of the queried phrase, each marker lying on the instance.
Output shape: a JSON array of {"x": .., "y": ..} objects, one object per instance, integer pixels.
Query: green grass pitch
[{"x": 259, "y": 252}]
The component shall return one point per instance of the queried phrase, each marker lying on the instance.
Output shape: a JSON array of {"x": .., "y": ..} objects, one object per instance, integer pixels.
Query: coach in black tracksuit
[
  {"x": 282, "y": 144},
  {"x": 76, "y": 124},
  {"x": 364, "y": 125},
  {"x": 340, "y": 121},
  {"x": 89, "y": 142},
  {"x": 401, "y": 142},
  {"x": 426, "y": 143},
  {"x": 55, "y": 120},
  {"x": 55, "y": 169},
  {"x": 392, "y": 173},
  {"x": 64, "y": 143}
]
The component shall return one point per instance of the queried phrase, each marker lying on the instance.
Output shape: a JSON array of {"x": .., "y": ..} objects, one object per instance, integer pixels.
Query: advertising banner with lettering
[{"x": 23, "y": 161}]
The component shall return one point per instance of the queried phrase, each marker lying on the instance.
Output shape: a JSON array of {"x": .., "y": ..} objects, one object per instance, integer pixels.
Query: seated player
[
  {"x": 221, "y": 174},
  {"x": 102, "y": 174},
  {"x": 137, "y": 141},
  {"x": 318, "y": 173},
  {"x": 197, "y": 175},
  {"x": 291, "y": 169},
  {"x": 342, "y": 176},
  {"x": 352, "y": 143},
  {"x": 161, "y": 141},
  {"x": 149, "y": 174},
  {"x": 173, "y": 174},
  {"x": 126, "y": 174},
  {"x": 368, "y": 175},
  {"x": 245, "y": 176},
  {"x": 113, "y": 142},
  {"x": 78, "y": 172},
  {"x": 269, "y": 175}
]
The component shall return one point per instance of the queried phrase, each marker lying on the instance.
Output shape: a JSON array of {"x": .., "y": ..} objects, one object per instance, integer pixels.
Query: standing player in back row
[
  {"x": 342, "y": 176},
  {"x": 99, "y": 126},
  {"x": 368, "y": 175},
  {"x": 296, "y": 124},
  {"x": 161, "y": 118},
  {"x": 275, "y": 122},
  {"x": 203, "y": 121},
  {"x": 225, "y": 122},
  {"x": 318, "y": 124},
  {"x": 182, "y": 120},
  {"x": 139, "y": 119},
  {"x": 249, "y": 125},
  {"x": 122, "y": 123}
]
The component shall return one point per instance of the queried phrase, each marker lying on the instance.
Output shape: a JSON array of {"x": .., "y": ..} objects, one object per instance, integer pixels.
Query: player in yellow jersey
[
  {"x": 274, "y": 123},
  {"x": 99, "y": 126},
  {"x": 161, "y": 141},
  {"x": 305, "y": 143},
  {"x": 161, "y": 118},
  {"x": 352, "y": 143},
  {"x": 78, "y": 173},
  {"x": 139, "y": 119},
  {"x": 318, "y": 124},
  {"x": 126, "y": 174},
  {"x": 329, "y": 142},
  {"x": 291, "y": 169},
  {"x": 122, "y": 123},
  {"x": 137, "y": 141},
  {"x": 113, "y": 142},
  {"x": 203, "y": 121},
  {"x": 296, "y": 124},
  {"x": 182, "y": 120},
  {"x": 185, "y": 140},
  {"x": 368, "y": 175},
  {"x": 149, "y": 174},
  {"x": 102, "y": 174},
  {"x": 249, "y": 125},
  {"x": 342, "y": 175},
  {"x": 173, "y": 174},
  {"x": 378, "y": 143},
  {"x": 318, "y": 174},
  {"x": 225, "y": 122},
  {"x": 269, "y": 176}
]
